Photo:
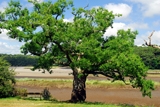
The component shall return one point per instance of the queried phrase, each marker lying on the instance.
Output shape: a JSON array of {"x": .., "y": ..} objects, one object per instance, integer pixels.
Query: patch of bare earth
[
  {"x": 106, "y": 95},
  {"x": 110, "y": 96}
]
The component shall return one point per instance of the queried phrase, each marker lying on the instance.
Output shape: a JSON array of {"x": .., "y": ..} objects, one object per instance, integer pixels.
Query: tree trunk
[{"x": 79, "y": 88}]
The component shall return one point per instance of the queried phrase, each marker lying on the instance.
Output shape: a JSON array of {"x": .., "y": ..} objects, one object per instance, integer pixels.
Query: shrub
[
  {"x": 7, "y": 80},
  {"x": 46, "y": 94},
  {"x": 22, "y": 92}
]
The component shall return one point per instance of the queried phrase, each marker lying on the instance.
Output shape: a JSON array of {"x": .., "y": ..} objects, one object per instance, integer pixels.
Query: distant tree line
[
  {"x": 149, "y": 55},
  {"x": 20, "y": 60}
]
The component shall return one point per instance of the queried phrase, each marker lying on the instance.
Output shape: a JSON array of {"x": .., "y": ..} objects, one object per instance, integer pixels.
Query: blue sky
[{"x": 140, "y": 15}]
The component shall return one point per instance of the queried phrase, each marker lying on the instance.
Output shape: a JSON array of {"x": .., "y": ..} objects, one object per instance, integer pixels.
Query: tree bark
[{"x": 79, "y": 88}]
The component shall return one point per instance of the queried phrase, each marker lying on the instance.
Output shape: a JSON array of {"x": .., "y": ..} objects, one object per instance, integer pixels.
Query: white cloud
[
  {"x": 9, "y": 49},
  {"x": 3, "y": 5},
  {"x": 156, "y": 23},
  {"x": 28, "y": 5},
  {"x": 40, "y": 1},
  {"x": 4, "y": 36},
  {"x": 121, "y": 8},
  {"x": 156, "y": 38},
  {"x": 149, "y": 8},
  {"x": 68, "y": 20},
  {"x": 117, "y": 26},
  {"x": 139, "y": 25},
  {"x": 133, "y": 26},
  {"x": 8, "y": 45},
  {"x": 140, "y": 40}
]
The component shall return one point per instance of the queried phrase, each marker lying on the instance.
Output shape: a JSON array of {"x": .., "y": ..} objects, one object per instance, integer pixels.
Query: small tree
[
  {"x": 7, "y": 79},
  {"x": 80, "y": 43}
]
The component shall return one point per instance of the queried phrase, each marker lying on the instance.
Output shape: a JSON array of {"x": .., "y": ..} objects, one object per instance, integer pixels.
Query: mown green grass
[{"x": 14, "y": 102}]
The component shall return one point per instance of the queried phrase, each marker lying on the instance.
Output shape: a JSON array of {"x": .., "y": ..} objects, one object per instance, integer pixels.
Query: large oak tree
[{"x": 81, "y": 43}]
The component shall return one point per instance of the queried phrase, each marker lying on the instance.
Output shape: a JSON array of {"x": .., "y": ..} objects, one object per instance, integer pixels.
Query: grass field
[
  {"x": 67, "y": 83},
  {"x": 14, "y": 102}
]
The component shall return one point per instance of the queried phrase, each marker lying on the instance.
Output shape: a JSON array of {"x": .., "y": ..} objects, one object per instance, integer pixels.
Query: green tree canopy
[{"x": 81, "y": 42}]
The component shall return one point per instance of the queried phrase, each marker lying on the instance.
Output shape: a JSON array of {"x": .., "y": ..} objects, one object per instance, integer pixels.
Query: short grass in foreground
[{"x": 14, "y": 102}]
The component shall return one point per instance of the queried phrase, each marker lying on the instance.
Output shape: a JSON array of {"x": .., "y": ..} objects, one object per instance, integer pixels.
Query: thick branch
[
  {"x": 39, "y": 54},
  {"x": 86, "y": 6},
  {"x": 65, "y": 52},
  {"x": 115, "y": 74},
  {"x": 101, "y": 73},
  {"x": 149, "y": 43},
  {"x": 60, "y": 13},
  {"x": 34, "y": 53},
  {"x": 149, "y": 37}
]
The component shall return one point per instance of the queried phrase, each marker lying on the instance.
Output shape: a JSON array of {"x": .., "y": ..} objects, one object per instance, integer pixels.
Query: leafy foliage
[
  {"x": 80, "y": 43},
  {"x": 150, "y": 56},
  {"x": 7, "y": 79}
]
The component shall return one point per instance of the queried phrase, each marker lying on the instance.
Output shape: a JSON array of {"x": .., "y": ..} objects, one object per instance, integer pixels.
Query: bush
[
  {"x": 21, "y": 92},
  {"x": 46, "y": 94},
  {"x": 7, "y": 80}
]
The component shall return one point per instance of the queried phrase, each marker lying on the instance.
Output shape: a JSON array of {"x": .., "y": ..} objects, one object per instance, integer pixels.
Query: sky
[{"x": 140, "y": 15}]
